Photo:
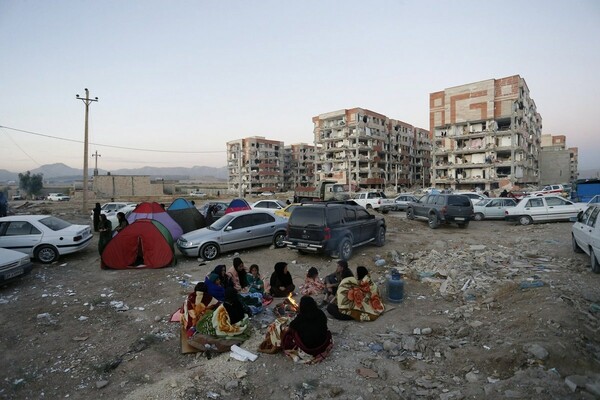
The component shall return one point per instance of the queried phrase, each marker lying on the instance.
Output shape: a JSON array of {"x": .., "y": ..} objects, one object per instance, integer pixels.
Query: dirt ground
[{"x": 467, "y": 329}]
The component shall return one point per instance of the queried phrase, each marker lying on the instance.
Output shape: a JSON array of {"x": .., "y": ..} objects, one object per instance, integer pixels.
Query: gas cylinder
[{"x": 395, "y": 287}]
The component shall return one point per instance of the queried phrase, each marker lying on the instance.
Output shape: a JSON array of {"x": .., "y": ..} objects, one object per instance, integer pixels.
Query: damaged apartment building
[
  {"x": 369, "y": 150},
  {"x": 485, "y": 135},
  {"x": 255, "y": 165}
]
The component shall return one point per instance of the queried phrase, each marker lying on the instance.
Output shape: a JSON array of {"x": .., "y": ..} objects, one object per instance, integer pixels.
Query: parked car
[
  {"x": 442, "y": 209},
  {"x": 402, "y": 200},
  {"x": 197, "y": 194},
  {"x": 220, "y": 206},
  {"x": 542, "y": 208},
  {"x": 272, "y": 204},
  {"x": 551, "y": 189},
  {"x": 287, "y": 210},
  {"x": 234, "y": 231},
  {"x": 333, "y": 228},
  {"x": 492, "y": 208},
  {"x": 267, "y": 194},
  {"x": 18, "y": 197},
  {"x": 111, "y": 212},
  {"x": 594, "y": 200},
  {"x": 58, "y": 197},
  {"x": 474, "y": 197},
  {"x": 43, "y": 236},
  {"x": 374, "y": 200},
  {"x": 586, "y": 235},
  {"x": 13, "y": 265}
]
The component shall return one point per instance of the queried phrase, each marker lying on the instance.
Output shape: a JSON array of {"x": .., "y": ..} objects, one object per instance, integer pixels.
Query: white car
[
  {"x": 474, "y": 197},
  {"x": 586, "y": 235},
  {"x": 111, "y": 210},
  {"x": 492, "y": 208},
  {"x": 13, "y": 264},
  {"x": 271, "y": 204},
  {"x": 593, "y": 201},
  {"x": 58, "y": 197},
  {"x": 542, "y": 208},
  {"x": 43, "y": 236}
]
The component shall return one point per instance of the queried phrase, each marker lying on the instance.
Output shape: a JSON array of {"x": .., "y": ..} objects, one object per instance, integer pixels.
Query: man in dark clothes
[{"x": 97, "y": 211}]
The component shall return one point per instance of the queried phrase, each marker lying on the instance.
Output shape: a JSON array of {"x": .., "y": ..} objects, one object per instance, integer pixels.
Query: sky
[{"x": 176, "y": 80}]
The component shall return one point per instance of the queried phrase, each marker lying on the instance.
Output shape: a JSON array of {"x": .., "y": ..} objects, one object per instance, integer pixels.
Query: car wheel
[
  {"x": 345, "y": 249},
  {"x": 209, "y": 251},
  {"x": 478, "y": 217},
  {"x": 278, "y": 240},
  {"x": 525, "y": 220},
  {"x": 463, "y": 225},
  {"x": 380, "y": 238},
  {"x": 410, "y": 214},
  {"x": 369, "y": 207},
  {"x": 576, "y": 247},
  {"x": 434, "y": 223},
  {"x": 46, "y": 254},
  {"x": 594, "y": 262}
]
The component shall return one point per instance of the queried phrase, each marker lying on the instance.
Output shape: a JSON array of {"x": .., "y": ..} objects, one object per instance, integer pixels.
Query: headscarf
[
  {"x": 310, "y": 323},
  {"x": 233, "y": 305},
  {"x": 361, "y": 272},
  {"x": 283, "y": 278}
]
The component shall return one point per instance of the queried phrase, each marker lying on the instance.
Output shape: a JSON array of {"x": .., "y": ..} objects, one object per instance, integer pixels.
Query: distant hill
[{"x": 60, "y": 172}]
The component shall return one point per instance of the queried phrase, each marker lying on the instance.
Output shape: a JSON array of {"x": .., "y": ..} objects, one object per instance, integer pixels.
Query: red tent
[{"x": 143, "y": 244}]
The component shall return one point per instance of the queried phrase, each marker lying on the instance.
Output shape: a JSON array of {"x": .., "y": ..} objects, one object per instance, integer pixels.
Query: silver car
[
  {"x": 402, "y": 200},
  {"x": 234, "y": 231},
  {"x": 492, "y": 208}
]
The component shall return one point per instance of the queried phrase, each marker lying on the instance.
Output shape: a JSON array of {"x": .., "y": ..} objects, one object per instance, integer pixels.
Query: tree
[{"x": 31, "y": 184}]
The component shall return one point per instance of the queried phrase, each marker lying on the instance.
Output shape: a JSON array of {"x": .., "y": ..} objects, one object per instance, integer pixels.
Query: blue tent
[
  {"x": 186, "y": 215},
  {"x": 237, "y": 205}
]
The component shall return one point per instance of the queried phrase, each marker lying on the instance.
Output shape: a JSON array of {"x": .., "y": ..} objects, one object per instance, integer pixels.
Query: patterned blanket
[{"x": 360, "y": 300}]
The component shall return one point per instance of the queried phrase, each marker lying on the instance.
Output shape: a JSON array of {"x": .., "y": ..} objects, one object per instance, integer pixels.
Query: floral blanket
[
  {"x": 196, "y": 304},
  {"x": 360, "y": 300},
  {"x": 312, "y": 287}
]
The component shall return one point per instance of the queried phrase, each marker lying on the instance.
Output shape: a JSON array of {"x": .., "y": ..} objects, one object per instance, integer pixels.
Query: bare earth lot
[{"x": 466, "y": 328}]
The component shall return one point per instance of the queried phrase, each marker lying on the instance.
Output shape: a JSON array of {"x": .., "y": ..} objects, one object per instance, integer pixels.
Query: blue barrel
[{"x": 395, "y": 287}]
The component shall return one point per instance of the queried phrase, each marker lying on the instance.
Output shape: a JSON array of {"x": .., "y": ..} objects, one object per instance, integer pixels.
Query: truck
[
  {"x": 583, "y": 190},
  {"x": 324, "y": 191},
  {"x": 374, "y": 200}
]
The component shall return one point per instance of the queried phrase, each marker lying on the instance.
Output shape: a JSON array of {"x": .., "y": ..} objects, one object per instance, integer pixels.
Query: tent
[
  {"x": 156, "y": 212},
  {"x": 186, "y": 215},
  {"x": 237, "y": 205},
  {"x": 143, "y": 244}
]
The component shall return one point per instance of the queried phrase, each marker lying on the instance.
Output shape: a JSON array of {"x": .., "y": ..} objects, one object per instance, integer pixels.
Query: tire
[
  {"x": 410, "y": 214},
  {"x": 380, "y": 238},
  {"x": 478, "y": 217},
  {"x": 46, "y": 254},
  {"x": 369, "y": 207},
  {"x": 278, "y": 240},
  {"x": 594, "y": 262},
  {"x": 209, "y": 251},
  {"x": 463, "y": 225},
  {"x": 345, "y": 249},
  {"x": 434, "y": 223},
  {"x": 576, "y": 248},
  {"x": 525, "y": 220},
  {"x": 385, "y": 211}
]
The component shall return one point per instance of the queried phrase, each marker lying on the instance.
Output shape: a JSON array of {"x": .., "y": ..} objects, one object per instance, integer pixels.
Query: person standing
[
  {"x": 97, "y": 211},
  {"x": 105, "y": 229},
  {"x": 122, "y": 222}
]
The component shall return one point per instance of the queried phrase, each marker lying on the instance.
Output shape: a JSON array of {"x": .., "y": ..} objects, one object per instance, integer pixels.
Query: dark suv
[
  {"x": 333, "y": 228},
  {"x": 442, "y": 208}
]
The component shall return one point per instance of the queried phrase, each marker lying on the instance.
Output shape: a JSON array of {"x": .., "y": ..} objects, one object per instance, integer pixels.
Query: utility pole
[
  {"x": 96, "y": 155},
  {"x": 87, "y": 101}
]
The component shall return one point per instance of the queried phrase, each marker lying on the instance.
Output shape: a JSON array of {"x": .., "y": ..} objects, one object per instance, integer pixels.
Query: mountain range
[{"x": 60, "y": 172}]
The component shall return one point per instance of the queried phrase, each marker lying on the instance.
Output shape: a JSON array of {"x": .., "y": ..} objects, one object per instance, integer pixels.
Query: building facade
[
  {"x": 255, "y": 165},
  {"x": 485, "y": 135},
  {"x": 558, "y": 164},
  {"x": 299, "y": 165},
  {"x": 368, "y": 150}
]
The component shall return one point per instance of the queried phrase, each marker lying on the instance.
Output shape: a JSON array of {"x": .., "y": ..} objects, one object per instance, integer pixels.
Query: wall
[
  {"x": 555, "y": 167},
  {"x": 126, "y": 185}
]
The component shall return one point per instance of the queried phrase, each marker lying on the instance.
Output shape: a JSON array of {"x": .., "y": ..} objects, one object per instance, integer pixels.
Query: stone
[
  {"x": 593, "y": 388},
  {"x": 101, "y": 384},
  {"x": 475, "y": 324},
  {"x": 409, "y": 343},
  {"x": 417, "y": 331},
  {"x": 388, "y": 345},
  {"x": 537, "y": 351},
  {"x": 453, "y": 395},
  {"x": 426, "y": 331},
  {"x": 513, "y": 394},
  {"x": 232, "y": 385},
  {"x": 471, "y": 377},
  {"x": 477, "y": 247},
  {"x": 574, "y": 381}
]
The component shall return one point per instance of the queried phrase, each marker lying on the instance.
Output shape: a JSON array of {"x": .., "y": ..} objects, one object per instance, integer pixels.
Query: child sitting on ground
[{"x": 313, "y": 286}]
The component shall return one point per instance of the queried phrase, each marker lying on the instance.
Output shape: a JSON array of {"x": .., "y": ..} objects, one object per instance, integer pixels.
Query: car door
[
  {"x": 494, "y": 209},
  {"x": 536, "y": 209},
  {"x": 580, "y": 227},
  {"x": 20, "y": 236},
  {"x": 560, "y": 209},
  {"x": 365, "y": 225},
  {"x": 262, "y": 228},
  {"x": 237, "y": 234},
  {"x": 420, "y": 206},
  {"x": 351, "y": 223}
]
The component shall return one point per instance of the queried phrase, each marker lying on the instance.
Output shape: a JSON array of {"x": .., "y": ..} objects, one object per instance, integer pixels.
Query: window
[
  {"x": 17, "y": 228},
  {"x": 440, "y": 201},
  {"x": 56, "y": 224},
  {"x": 362, "y": 214},
  {"x": 557, "y": 201},
  {"x": 459, "y": 200},
  {"x": 243, "y": 221},
  {"x": 594, "y": 217},
  {"x": 535, "y": 203},
  {"x": 431, "y": 199},
  {"x": 495, "y": 203},
  {"x": 350, "y": 215},
  {"x": 262, "y": 218},
  {"x": 334, "y": 216}
]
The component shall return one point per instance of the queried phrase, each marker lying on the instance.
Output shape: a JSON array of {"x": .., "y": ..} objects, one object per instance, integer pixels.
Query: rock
[
  {"x": 388, "y": 345},
  {"x": 232, "y": 385},
  {"x": 241, "y": 374},
  {"x": 462, "y": 332},
  {"x": 417, "y": 331},
  {"x": 335, "y": 391},
  {"x": 426, "y": 331},
  {"x": 537, "y": 351},
  {"x": 477, "y": 247},
  {"x": 158, "y": 318},
  {"x": 471, "y": 377},
  {"x": 101, "y": 384},
  {"x": 409, "y": 343},
  {"x": 475, "y": 324},
  {"x": 593, "y": 388},
  {"x": 453, "y": 395},
  {"x": 512, "y": 394},
  {"x": 575, "y": 381},
  {"x": 380, "y": 262}
]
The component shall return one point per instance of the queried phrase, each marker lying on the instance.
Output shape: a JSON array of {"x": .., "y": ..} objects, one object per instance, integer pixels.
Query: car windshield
[
  {"x": 221, "y": 223},
  {"x": 307, "y": 216},
  {"x": 56, "y": 224},
  {"x": 483, "y": 202}
]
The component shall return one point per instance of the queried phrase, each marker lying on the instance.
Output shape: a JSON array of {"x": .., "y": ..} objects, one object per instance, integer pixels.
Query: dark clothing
[
  {"x": 96, "y": 211},
  {"x": 105, "y": 229},
  {"x": 504, "y": 193},
  {"x": 233, "y": 305},
  {"x": 334, "y": 311},
  {"x": 216, "y": 291},
  {"x": 281, "y": 279},
  {"x": 310, "y": 324}
]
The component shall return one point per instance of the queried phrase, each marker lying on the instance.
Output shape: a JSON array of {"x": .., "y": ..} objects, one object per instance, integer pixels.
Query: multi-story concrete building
[
  {"x": 299, "y": 165},
  {"x": 255, "y": 165},
  {"x": 557, "y": 163},
  {"x": 485, "y": 135},
  {"x": 369, "y": 150}
]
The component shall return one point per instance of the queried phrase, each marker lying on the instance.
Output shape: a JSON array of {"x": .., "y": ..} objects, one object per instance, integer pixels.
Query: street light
[{"x": 87, "y": 101}]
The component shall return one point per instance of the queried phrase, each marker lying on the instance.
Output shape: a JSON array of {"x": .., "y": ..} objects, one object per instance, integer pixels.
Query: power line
[
  {"x": 113, "y": 146},
  {"x": 20, "y": 148}
]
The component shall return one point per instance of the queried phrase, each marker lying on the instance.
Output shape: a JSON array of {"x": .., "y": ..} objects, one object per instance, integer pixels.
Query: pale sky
[{"x": 188, "y": 76}]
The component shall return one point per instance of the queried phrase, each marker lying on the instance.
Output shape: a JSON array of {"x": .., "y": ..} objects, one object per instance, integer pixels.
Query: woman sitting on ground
[
  {"x": 195, "y": 306},
  {"x": 281, "y": 281},
  {"x": 238, "y": 279},
  {"x": 122, "y": 223},
  {"x": 215, "y": 282},
  {"x": 333, "y": 280},
  {"x": 313, "y": 285},
  {"x": 357, "y": 298}
]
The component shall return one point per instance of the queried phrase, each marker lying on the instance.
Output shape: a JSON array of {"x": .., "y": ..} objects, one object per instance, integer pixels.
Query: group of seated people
[{"x": 217, "y": 312}]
